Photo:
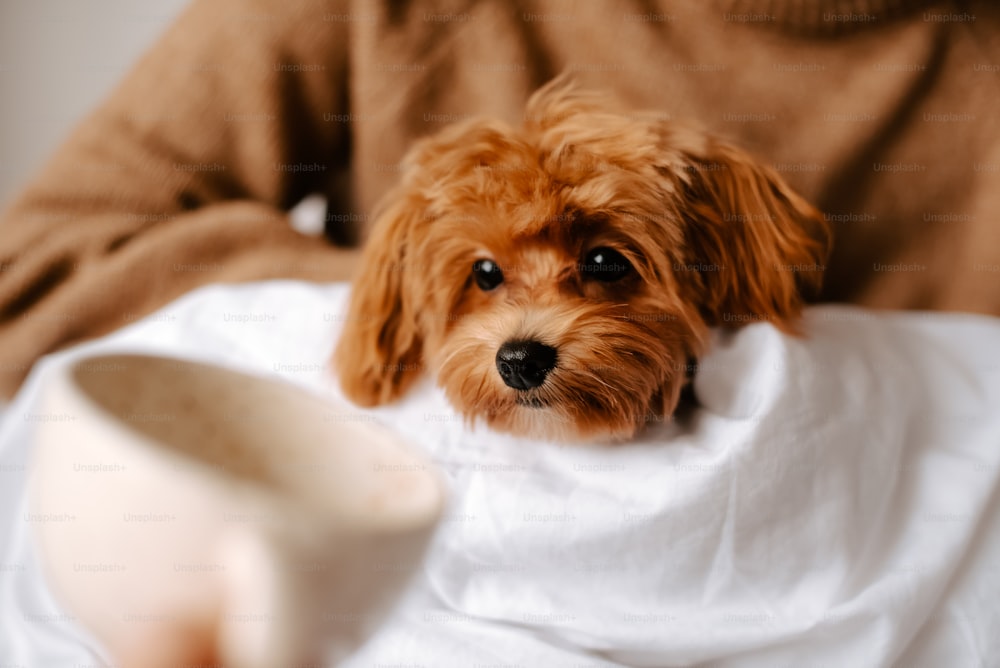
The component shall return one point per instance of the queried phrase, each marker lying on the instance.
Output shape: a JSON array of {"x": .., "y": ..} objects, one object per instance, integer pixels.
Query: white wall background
[{"x": 58, "y": 58}]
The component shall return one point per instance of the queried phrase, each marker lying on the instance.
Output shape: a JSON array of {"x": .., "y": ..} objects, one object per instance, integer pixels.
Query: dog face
[{"x": 556, "y": 278}]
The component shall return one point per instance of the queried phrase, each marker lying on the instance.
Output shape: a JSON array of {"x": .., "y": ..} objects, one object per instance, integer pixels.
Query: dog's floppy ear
[
  {"x": 752, "y": 244},
  {"x": 380, "y": 347}
]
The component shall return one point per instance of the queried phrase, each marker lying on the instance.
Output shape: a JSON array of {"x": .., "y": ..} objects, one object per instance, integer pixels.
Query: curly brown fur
[{"x": 713, "y": 238}]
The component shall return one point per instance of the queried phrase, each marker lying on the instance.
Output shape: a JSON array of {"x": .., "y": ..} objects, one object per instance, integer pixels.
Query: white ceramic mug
[{"x": 206, "y": 516}]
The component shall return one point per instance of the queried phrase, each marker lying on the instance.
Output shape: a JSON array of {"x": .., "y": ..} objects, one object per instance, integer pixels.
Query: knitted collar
[{"x": 830, "y": 17}]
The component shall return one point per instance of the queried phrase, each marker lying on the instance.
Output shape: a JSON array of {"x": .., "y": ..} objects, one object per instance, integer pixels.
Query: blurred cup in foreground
[{"x": 202, "y": 516}]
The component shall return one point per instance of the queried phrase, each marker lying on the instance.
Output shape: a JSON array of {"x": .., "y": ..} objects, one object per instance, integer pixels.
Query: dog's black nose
[{"x": 524, "y": 364}]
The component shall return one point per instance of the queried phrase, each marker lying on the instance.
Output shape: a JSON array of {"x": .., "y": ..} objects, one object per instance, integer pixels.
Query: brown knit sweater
[{"x": 885, "y": 114}]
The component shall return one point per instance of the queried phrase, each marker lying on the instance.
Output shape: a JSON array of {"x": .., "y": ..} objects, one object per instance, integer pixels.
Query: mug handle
[{"x": 257, "y": 627}]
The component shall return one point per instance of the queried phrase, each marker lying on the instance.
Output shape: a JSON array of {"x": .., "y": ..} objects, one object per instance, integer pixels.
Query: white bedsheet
[{"x": 833, "y": 503}]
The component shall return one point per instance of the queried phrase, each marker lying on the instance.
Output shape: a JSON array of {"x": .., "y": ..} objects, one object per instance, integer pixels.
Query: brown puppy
[{"x": 557, "y": 277}]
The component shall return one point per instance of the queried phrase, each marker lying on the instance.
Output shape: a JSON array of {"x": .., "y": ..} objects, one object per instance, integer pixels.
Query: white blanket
[{"x": 833, "y": 502}]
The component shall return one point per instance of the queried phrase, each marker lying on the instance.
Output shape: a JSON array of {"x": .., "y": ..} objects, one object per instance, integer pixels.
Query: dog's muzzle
[{"x": 523, "y": 365}]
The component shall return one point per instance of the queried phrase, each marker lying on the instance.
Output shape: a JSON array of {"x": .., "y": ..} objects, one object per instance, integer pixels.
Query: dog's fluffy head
[{"x": 610, "y": 242}]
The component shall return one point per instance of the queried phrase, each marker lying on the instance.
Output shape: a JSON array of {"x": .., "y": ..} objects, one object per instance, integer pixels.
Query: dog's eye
[
  {"x": 605, "y": 264},
  {"x": 487, "y": 274}
]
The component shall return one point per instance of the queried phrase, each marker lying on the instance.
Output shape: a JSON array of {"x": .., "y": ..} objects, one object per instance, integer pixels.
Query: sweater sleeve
[{"x": 182, "y": 177}]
